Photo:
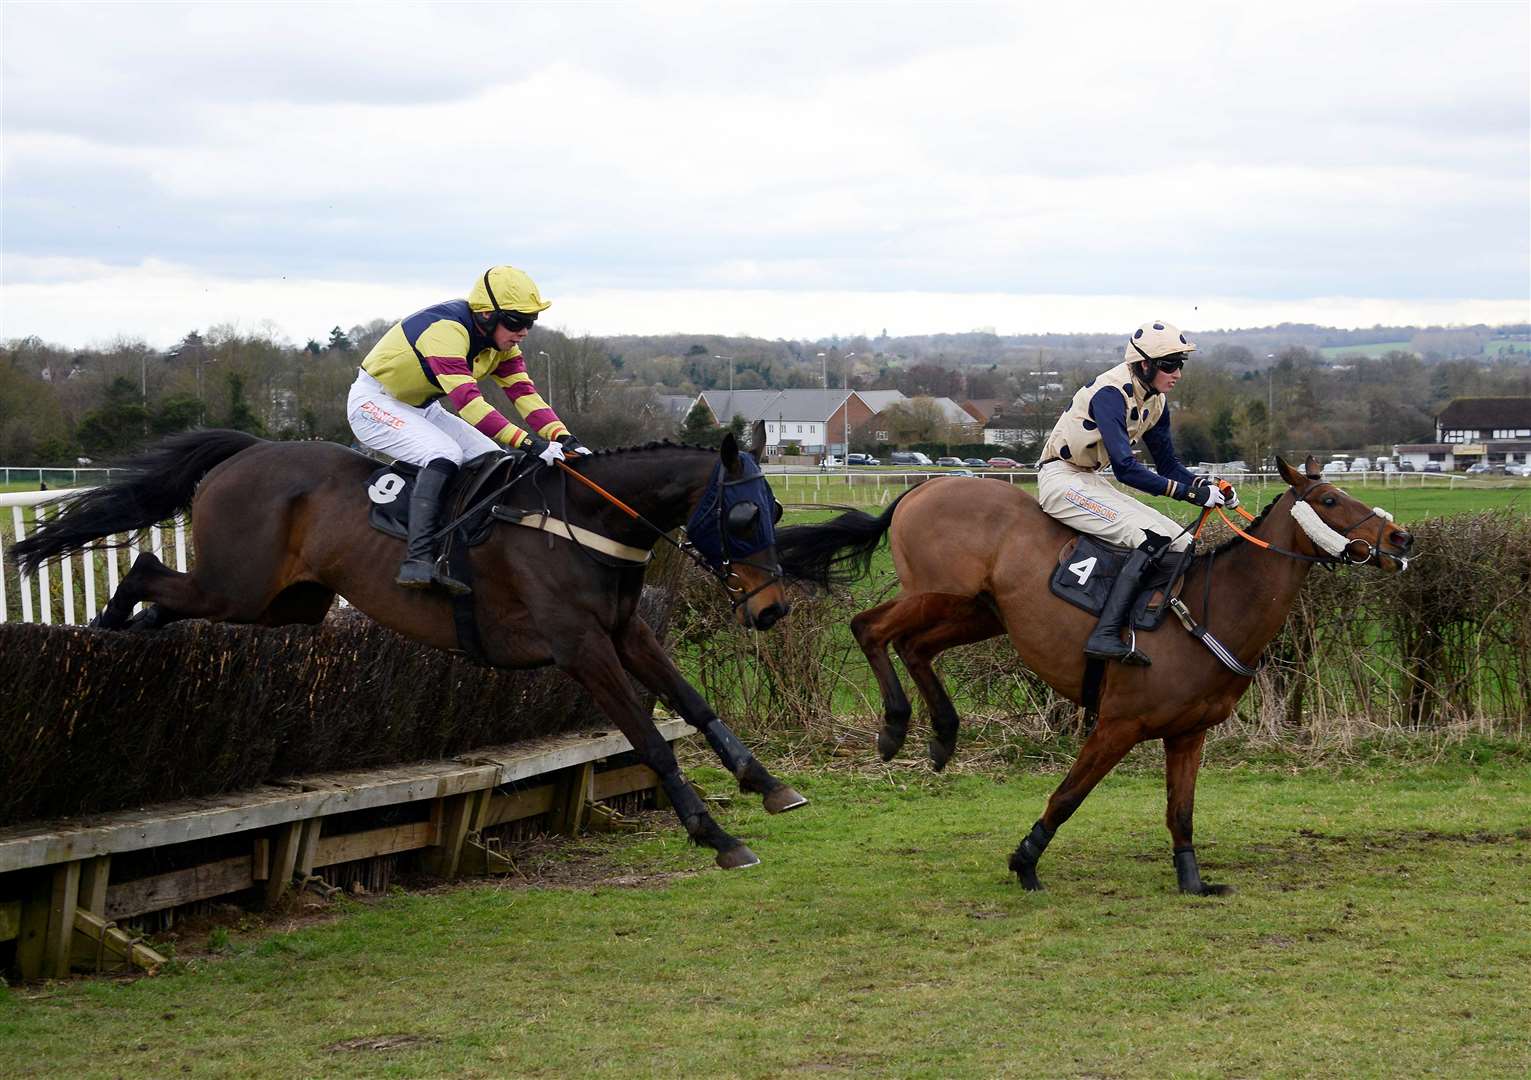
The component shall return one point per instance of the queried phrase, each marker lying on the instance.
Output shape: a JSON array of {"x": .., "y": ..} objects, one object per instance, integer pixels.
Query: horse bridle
[
  {"x": 724, "y": 572},
  {"x": 1345, "y": 558}
]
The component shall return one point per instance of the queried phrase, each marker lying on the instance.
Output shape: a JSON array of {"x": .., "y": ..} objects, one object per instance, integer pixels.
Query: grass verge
[{"x": 1382, "y": 927}]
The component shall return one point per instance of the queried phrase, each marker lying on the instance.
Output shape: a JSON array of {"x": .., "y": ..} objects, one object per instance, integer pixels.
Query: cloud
[{"x": 1271, "y": 153}]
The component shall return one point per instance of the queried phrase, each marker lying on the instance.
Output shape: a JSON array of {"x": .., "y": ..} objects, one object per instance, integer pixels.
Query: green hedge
[{"x": 1446, "y": 644}]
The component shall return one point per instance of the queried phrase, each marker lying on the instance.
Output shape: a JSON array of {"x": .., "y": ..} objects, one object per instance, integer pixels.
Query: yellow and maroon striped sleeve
[
  {"x": 444, "y": 345},
  {"x": 538, "y": 414}
]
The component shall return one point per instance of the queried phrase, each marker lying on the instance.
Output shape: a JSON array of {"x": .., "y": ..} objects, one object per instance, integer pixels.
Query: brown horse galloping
[
  {"x": 974, "y": 558},
  {"x": 280, "y": 528}
]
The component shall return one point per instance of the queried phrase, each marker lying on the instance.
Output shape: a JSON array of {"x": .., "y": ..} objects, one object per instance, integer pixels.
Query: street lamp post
[
  {"x": 845, "y": 413},
  {"x": 549, "y": 359},
  {"x": 730, "y": 360}
]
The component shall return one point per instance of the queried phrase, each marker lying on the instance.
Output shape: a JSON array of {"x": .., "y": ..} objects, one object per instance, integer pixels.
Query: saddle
[
  {"x": 389, "y": 489},
  {"x": 1087, "y": 568}
]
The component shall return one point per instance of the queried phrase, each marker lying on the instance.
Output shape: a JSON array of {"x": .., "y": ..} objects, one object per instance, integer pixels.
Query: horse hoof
[
  {"x": 889, "y": 744},
  {"x": 1214, "y": 890},
  {"x": 1027, "y": 874},
  {"x": 783, "y": 799},
  {"x": 737, "y": 858},
  {"x": 941, "y": 753}
]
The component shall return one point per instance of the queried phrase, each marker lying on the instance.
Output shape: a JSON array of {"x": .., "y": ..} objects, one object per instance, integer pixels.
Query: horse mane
[
  {"x": 1233, "y": 541},
  {"x": 658, "y": 444}
]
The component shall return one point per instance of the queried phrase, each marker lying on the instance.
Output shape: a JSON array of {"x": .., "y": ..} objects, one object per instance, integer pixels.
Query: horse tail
[
  {"x": 160, "y": 484},
  {"x": 836, "y": 552}
]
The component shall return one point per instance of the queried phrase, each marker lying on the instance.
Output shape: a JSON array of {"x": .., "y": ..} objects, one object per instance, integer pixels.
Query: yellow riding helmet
[{"x": 504, "y": 288}]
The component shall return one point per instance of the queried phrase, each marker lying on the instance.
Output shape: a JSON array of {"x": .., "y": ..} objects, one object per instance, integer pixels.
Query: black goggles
[
  {"x": 516, "y": 320},
  {"x": 1174, "y": 362}
]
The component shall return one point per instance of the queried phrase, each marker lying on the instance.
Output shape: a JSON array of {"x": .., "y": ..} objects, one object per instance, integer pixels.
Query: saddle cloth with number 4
[{"x": 1087, "y": 568}]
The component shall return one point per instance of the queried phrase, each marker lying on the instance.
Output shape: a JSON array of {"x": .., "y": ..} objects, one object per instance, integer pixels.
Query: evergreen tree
[{"x": 698, "y": 428}]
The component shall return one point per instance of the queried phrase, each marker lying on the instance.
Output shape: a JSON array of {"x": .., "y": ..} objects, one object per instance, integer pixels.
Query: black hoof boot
[
  {"x": 1026, "y": 872},
  {"x": 1188, "y": 873},
  {"x": 1023, "y": 861}
]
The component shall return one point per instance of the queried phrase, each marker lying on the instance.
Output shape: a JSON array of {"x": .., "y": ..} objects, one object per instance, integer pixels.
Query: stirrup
[
  {"x": 447, "y": 582},
  {"x": 1127, "y": 654},
  {"x": 1133, "y": 658}
]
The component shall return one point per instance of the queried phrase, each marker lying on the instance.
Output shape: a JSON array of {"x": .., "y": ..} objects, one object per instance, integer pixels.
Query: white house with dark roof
[
  {"x": 1470, "y": 430},
  {"x": 816, "y": 419}
]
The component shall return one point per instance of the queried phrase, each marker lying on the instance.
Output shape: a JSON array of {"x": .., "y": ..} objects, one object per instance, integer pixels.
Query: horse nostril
[
  {"x": 768, "y": 617},
  {"x": 1403, "y": 540}
]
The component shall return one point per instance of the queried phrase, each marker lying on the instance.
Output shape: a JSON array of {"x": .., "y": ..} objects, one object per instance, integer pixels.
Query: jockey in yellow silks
[{"x": 395, "y": 404}]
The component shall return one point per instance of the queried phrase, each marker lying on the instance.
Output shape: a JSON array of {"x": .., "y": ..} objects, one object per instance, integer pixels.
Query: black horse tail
[
  {"x": 836, "y": 552},
  {"x": 160, "y": 484}
]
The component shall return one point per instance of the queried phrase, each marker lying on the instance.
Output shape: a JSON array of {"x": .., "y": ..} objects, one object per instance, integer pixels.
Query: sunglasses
[
  {"x": 1171, "y": 363},
  {"x": 516, "y": 320}
]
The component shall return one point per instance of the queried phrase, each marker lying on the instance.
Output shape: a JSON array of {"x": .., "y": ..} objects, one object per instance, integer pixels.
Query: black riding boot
[
  {"x": 1106, "y": 642},
  {"x": 418, "y": 571}
]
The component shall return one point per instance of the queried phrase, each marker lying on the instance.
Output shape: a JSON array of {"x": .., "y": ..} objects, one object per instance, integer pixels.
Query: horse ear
[
  {"x": 757, "y": 440},
  {"x": 1311, "y": 468},
  {"x": 730, "y": 452},
  {"x": 1289, "y": 474}
]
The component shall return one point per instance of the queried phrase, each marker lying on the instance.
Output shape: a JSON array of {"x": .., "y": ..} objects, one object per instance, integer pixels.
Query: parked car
[
  {"x": 862, "y": 459},
  {"x": 1389, "y": 468},
  {"x": 1003, "y": 463},
  {"x": 1483, "y": 467},
  {"x": 1406, "y": 466},
  {"x": 830, "y": 462},
  {"x": 1334, "y": 468},
  {"x": 1518, "y": 470},
  {"x": 975, "y": 463},
  {"x": 909, "y": 457},
  {"x": 1360, "y": 464},
  {"x": 949, "y": 461},
  {"x": 1432, "y": 466}
]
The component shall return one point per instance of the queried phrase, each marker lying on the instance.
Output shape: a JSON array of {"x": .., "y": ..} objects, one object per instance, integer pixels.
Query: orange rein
[
  {"x": 1255, "y": 540},
  {"x": 602, "y": 492}
]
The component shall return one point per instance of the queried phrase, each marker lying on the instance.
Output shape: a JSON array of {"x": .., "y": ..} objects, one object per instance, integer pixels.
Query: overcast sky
[{"x": 780, "y": 170}]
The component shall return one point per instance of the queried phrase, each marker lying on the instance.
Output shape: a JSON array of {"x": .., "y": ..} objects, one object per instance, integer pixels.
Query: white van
[{"x": 1360, "y": 464}]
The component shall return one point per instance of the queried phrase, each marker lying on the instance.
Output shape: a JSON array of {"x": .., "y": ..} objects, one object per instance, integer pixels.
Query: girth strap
[
  {"x": 1203, "y": 635},
  {"x": 584, "y": 537}
]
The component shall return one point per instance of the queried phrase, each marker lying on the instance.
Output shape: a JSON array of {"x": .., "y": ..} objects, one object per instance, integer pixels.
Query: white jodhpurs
[
  {"x": 418, "y": 435},
  {"x": 1091, "y": 503}
]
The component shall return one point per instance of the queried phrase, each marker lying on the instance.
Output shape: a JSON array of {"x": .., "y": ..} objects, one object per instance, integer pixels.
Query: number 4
[{"x": 1082, "y": 570}]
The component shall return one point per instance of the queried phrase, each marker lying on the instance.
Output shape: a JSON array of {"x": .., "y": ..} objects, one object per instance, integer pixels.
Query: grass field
[
  {"x": 1381, "y": 928},
  {"x": 1404, "y": 500}
]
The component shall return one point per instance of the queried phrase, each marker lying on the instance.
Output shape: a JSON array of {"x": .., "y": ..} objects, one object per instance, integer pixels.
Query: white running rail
[{"x": 77, "y": 587}]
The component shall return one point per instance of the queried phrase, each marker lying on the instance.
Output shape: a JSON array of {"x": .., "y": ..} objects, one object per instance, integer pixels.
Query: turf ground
[{"x": 1381, "y": 928}]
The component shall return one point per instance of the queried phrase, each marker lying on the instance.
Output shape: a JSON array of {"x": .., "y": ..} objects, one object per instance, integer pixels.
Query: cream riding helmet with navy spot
[{"x": 1157, "y": 346}]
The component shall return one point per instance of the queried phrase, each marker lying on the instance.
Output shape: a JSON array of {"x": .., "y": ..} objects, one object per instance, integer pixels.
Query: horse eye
[
  {"x": 1329, "y": 500},
  {"x": 741, "y": 519}
]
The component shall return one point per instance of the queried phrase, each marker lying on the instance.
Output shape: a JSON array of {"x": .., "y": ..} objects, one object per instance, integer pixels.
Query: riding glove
[
  {"x": 571, "y": 445},
  {"x": 1204, "y": 495},
  {"x": 539, "y": 447},
  {"x": 1230, "y": 497}
]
